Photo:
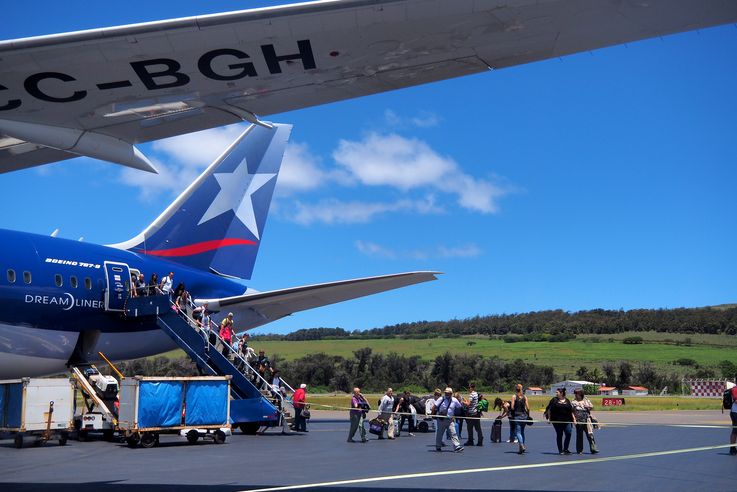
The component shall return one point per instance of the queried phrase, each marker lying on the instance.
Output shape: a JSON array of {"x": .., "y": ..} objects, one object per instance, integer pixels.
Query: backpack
[
  {"x": 728, "y": 398},
  {"x": 482, "y": 405}
]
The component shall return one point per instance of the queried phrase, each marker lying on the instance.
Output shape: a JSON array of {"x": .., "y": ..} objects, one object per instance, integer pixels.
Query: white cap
[
  {"x": 302, "y": 386},
  {"x": 449, "y": 390}
]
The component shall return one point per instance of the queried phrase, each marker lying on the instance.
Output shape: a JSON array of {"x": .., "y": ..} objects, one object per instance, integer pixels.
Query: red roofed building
[
  {"x": 635, "y": 391},
  {"x": 532, "y": 391},
  {"x": 608, "y": 391}
]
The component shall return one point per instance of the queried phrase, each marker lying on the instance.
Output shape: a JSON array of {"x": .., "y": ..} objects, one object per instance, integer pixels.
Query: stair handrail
[{"x": 213, "y": 329}]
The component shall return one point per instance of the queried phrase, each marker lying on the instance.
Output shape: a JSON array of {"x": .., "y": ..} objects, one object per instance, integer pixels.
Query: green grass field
[{"x": 565, "y": 357}]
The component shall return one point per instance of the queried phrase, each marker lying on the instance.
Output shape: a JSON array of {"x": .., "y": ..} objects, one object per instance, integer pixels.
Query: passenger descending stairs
[{"x": 250, "y": 408}]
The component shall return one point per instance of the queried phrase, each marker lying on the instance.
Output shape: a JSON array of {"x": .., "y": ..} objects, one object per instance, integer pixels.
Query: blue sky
[{"x": 599, "y": 180}]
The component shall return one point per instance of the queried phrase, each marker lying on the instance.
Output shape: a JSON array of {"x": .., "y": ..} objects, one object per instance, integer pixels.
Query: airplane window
[
  {"x": 88, "y": 283},
  {"x": 57, "y": 280},
  {"x": 11, "y": 276},
  {"x": 27, "y": 277},
  {"x": 117, "y": 269},
  {"x": 73, "y": 281}
]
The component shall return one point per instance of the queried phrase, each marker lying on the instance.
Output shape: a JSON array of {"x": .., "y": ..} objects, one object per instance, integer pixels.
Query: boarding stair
[{"x": 251, "y": 408}]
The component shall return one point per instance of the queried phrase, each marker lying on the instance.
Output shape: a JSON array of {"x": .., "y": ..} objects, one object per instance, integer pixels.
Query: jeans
[
  {"x": 512, "y": 430},
  {"x": 582, "y": 429},
  {"x": 357, "y": 419},
  {"x": 562, "y": 428},
  {"x": 519, "y": 432}
]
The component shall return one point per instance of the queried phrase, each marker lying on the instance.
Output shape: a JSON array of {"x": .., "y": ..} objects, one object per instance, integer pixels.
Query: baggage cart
[
  {"x": 40, "y": 408},
  {"x": 150, "y": 406}
]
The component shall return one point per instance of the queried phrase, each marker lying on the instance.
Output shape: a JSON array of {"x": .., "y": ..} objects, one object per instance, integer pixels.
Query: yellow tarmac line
[{"x": 492, "y": 469}]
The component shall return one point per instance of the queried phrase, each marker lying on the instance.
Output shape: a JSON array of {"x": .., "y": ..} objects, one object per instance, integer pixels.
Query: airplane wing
[
  {"x": 99, "y": 92},
  {"x": 255, "y": 309}
]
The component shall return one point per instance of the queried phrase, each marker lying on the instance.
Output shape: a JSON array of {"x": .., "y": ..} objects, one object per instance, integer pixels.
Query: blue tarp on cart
[
  {"x": 207, "y": 402},
  {"x": 160, "y": 403},
  {"x": 11, "y": 405}
]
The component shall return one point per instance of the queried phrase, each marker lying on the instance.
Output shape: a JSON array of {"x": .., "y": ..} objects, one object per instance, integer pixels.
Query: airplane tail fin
[{"x": 216, "y": 224}]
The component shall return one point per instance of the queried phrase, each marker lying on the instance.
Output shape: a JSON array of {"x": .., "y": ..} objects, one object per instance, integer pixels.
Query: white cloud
[
  {"x": 180, "y": 160},
  {"x": 332, "y": 211},
  {"x": 302, "y": 171},
  {"x": 408, "y": 163},
  {"x": 376, "y": 250},
  {"x": 424, "y": 119}
]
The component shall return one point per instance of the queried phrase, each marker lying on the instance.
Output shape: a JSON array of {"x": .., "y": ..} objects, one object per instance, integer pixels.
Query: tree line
[
  {"x": 374, "y": 372},
  {"x": 711, "y": 320}
]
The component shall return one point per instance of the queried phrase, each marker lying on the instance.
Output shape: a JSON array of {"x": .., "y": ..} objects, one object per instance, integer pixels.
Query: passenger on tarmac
[
  {"x": 733, "y": 417},
  {"x": 559, "y": 412},
  {"x": 473, "y": 421},
  {"x": 582, "y": 407},
  {"x": 505, "y": 407},
  {"x": 226, "y": 333},
  {"x": 403, "y": 408},
  {"x": 359, "y": 408},
  {"x": 520, "y": 413},
  {"x": 167, "y": 283},
  {"x": 445, "y": 409},
  {"x": 299, "y": 401},
  {"x": 386, "y": 409},
  {"x": 460, "y": 415}
]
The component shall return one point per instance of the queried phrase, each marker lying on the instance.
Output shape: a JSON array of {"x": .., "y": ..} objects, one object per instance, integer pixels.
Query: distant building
[
  {"x": 608, "y": 391},
  {"x": 533, "y": 391},
  {"x": 635, "y": 391},
  {"x": 569, "y": 385}
]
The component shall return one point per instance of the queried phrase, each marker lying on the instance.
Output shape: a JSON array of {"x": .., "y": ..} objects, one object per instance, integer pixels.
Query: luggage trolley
[
  {"x": 41, "y": 408},
  {"x": 193, "y": 407}
]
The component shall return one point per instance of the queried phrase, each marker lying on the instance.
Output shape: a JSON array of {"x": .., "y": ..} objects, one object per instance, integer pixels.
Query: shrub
[{"x": 632, "y": 340}]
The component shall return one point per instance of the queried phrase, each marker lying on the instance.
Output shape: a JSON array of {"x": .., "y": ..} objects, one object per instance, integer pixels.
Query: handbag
[
  {"x": 376, "y": 426},
  {"x": 306, "y": 413},
  {"x": 529, "y": 420}
]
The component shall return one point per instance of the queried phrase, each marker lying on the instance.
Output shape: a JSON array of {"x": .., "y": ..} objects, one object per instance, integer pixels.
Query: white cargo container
[{"x": 43, "y": 408}]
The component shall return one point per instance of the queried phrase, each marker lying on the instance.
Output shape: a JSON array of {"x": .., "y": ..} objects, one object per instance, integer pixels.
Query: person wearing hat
[
  {"x": 445, "y": 409},
  {"x": 298, "y": 401}
]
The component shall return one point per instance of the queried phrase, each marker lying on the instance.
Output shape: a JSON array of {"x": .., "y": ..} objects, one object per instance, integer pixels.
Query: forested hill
[{"x": 715, "y": 320}]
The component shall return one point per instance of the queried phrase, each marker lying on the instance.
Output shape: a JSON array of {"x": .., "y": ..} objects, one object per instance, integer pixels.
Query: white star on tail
[{"x": 236, "y": 192}]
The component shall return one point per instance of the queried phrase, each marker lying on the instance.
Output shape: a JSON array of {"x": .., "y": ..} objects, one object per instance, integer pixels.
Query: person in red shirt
[{"x": 298, "y": 400}]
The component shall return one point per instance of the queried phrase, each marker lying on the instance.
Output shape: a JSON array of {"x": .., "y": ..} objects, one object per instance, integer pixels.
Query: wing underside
[
  {"x": 131, "y": 84},
  {"x": 255, "y": 309}
]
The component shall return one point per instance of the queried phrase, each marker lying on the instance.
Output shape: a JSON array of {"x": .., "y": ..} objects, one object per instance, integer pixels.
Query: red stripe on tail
[{"x": 197, "y": 248}]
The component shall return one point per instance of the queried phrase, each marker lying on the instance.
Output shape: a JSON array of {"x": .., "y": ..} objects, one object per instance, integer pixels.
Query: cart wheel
[
  {"x": 219, "y": 437},
  {"x": 108, "y": 434},
  {"x": 148, "y": 440},
  {"x": 192, "y": 436},
  {"x": 250, "y": 428},
  {"x": 423, "y": 427},
  {"x": 18, "y": 441},
  {"x": 63, "y": 439},
  {"x": 133, "y": 440},
  {"x": 82, "y": 436}
]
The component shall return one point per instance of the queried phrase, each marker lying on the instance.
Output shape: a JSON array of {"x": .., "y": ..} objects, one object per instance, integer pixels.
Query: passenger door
[{"x": 118, "y": 285}]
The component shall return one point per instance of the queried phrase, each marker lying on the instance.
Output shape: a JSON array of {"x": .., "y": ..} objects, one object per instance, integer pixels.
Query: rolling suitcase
[{"x": 496, "y": 431}]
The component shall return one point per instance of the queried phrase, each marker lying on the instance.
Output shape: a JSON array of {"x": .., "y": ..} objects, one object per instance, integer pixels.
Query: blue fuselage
[{"x": 53, "y": 301}]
